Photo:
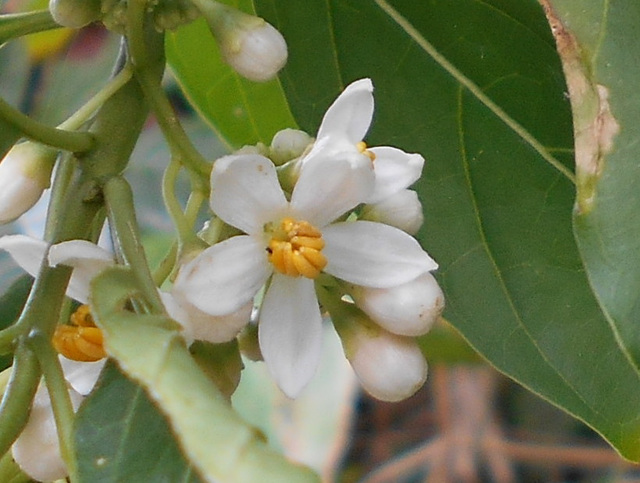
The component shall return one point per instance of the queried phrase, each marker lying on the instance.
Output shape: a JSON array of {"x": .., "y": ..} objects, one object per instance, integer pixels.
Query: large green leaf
[
  {"x": 121, "y": 436},
  {"x": 600, "y": 48},
  {"x": 241, "y": 111},
  {"x": 478, "y": 89},
  {"x": 150, "y": 351}
]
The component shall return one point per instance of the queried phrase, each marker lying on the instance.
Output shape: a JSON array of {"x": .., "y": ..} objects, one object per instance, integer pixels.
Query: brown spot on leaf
[{"x": 594, "y": 126}]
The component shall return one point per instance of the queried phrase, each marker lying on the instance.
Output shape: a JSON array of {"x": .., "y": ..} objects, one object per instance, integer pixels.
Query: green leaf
[
  {"x": 121, "y": 436},
  {"x": 150, "y": 351},
  {"x": 600, "y": 49},
  {"x": 478, "y": 89},
  {"x": 242, "y": 112}
]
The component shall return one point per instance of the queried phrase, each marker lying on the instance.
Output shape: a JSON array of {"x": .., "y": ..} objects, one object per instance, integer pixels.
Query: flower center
[
  {"x": 295, "y": 248},
  {"x": 82, "y": 340},
  {"x": 362, "y": 147}
]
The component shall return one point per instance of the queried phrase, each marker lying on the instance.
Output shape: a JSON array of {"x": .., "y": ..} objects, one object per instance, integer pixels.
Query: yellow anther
[
  {"x": 82, "y": 317},
  {"x": 295, "y": 248},
  {"x": 82, "y": 340},
  {"x": 362, "y": 147}
]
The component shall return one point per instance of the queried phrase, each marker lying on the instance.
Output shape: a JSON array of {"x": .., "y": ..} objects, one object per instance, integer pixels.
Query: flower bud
[
  {"x": 402, "y": 210},
  {"x": 390, "y": 367},
  {"x": 407, "y": 309},
  {"x": 25, "y": 172},
  {"x": 288, "y": 144},
  {"x": 253, "y": 47},
  {"x": 75, "y": 13},
  {"x": 197, "y": 325}
]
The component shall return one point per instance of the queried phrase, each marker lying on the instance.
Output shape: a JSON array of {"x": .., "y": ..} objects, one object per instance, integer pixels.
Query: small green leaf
[
  {"x": 242, "y": 112},
  {"x": 149, "y": 349},
  {"x": 478, "y": 89},
  {"x": 121, "y": 436}
]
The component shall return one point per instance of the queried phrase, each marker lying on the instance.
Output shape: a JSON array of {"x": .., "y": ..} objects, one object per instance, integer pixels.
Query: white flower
[
  {"x": 408, "y": 309},
  {"x": 88, "y": 260},
  {"x": 288, "y": 243},
  {"x": 25, "y": 173},
  {"x": 37, "y": 449},
  {"x": 342, "y": 130}
]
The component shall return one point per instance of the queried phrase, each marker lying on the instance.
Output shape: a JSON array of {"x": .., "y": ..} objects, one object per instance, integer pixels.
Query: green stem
[
  {"x": 92, "y": 105},
  {"x": 179, "y": 143},
  {"x": 76, "y": 142},
  {"x": 19, "y": 24},
  {"x": 10, "y": 471},
  {"x": 60, "y": 400},
  {"x": 166, "y": 266},
  {"x": 64, "y": 173},
  {"x": 18, "y": 395},
  {"x": 122, "y": 218}
]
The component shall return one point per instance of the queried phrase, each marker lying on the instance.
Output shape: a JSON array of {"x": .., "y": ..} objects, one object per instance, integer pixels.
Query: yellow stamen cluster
[
  {"x": 362, "y": 147},
  {"x": 82, "y": 340},
  {"x": 295, "y": 249}
]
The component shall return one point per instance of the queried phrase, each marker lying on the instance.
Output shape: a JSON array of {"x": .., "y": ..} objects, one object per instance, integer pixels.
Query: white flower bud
[
  {"x": 409, "y": 309},
  {"x": 288, "y": 144},
  {"x": 402, "y": 210},
  {"x": 253, "y": 47},
  {"x": 75, "y": 13},
  {"x": 390, "y": 367},
  {"x": 25, "y": 172},
  {"x": 37, "y": 450}
]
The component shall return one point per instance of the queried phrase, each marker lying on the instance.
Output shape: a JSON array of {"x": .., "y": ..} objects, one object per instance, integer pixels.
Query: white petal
[
  {"x": 402, "y": 210},
  {"x": 245, "y": 191},
  {"x": 37, "y": 450},
  {"x": 329, "y": 187},
  {"x": 373, "y": 255},
  {"x": 395, "y": 170},
  {"x": 390, "y": 367},
  {"x": 290, "y": 332},
  {"x": 350, "y": 114},
  {"x": 81, "y": 375},
  {"x": 198, "y": 325},
  {"x": 407, "y": 309},
  {"x": 226, "y": 276},
  {"x": 27, "y": 252},
  {"x": 87, "y": 261}
]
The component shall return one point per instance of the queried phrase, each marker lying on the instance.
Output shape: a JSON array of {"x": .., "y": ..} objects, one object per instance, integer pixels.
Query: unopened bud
[
  {"x": 390, "y": 367},
  {"x": 75, "y": 13},
  {"x": 402, "y": 210},
  {"x": 407, "y": 309},
  {"x": 253, "y": 47},
  {"x": 25, "y": 172},
  {"x": 288, "y": 144}
]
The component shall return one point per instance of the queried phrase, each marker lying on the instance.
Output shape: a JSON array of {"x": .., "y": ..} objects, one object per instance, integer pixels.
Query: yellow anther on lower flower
[
  {"x": 81, "y": 341},
  {"x": 295, "y": 248},
  {"x": 362, "y": 147}
]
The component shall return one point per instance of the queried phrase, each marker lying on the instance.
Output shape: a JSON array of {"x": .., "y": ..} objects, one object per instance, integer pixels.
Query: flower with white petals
[
  {"x": 341, "y": 133},
  {"x": 37, "y": 450},
  {"x": 88, "y": 260},
  {"x": 288, "y": 243}
]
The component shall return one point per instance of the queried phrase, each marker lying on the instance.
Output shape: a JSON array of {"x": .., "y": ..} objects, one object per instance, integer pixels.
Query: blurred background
[{"x": 467, "y": 424}]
